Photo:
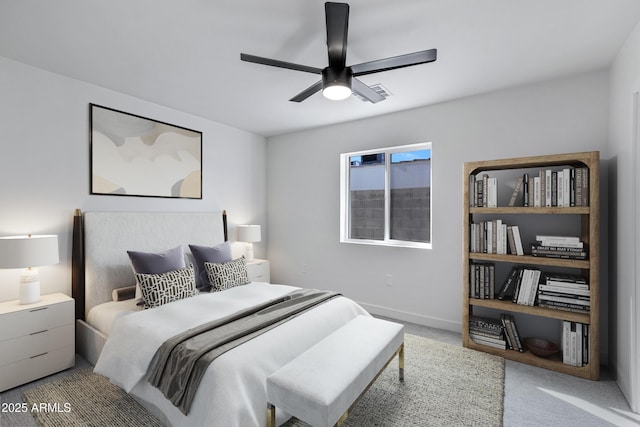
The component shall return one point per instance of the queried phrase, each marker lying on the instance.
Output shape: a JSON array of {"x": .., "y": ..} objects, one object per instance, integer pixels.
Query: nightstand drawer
[
  {"x": 259, "y": 271},
  {"x": 30, "y": 320},
  {"x": 26, "y": 370},
  {"x": 36, "y": 343}
]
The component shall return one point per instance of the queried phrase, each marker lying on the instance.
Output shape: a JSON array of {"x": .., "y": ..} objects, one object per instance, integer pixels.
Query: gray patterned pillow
[
  {"x": 159, "y": 289},
  {"x": 227, "y": 274}
]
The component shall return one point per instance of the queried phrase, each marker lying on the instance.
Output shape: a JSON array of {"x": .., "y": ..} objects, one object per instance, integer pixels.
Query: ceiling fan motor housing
[{"x": 332, "y": 76}]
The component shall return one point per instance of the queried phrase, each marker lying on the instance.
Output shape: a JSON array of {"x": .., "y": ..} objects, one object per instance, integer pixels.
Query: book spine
[
  {"x": 547, "y": 187},
  {"x": 517, "y": 240},
  {"x": 554, "y": 188},
  {"x": 566, "y": 187},
  {"x": 516, "y": 191}
]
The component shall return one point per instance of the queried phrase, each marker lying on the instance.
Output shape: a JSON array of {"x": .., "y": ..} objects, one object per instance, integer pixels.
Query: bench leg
[
  {"x": 401, "y": 362},
  {"x": 271, "y": 415}
]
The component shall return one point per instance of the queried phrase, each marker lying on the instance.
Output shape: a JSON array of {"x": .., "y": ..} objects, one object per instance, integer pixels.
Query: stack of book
[
  {"x": 482, "y": 280},
  {"x": 575, "y": 343},
  {"x": 511, "y": 332},
  {"x": 495, "y": 237},
  {"x": 557, "y": 188},
  {"x": 483, "y": 191},
  {"x": 521, "y": 285},
  {"x": 564, "y": 292},
  {"x": 568, "y": 247},
  {"x": 487, "y": 331}
]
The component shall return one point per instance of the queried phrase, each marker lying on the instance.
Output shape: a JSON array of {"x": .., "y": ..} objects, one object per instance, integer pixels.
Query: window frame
[{"x": 345, "y": 199}]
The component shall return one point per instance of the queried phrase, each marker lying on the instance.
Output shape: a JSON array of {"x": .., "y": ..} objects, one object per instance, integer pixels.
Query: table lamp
[
  {"x": 249, "y": 234},
  {"x": 28, "y": 252}
]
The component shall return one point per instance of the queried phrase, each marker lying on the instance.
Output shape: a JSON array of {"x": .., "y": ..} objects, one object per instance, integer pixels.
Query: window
[{"x": 386, "y": 196}]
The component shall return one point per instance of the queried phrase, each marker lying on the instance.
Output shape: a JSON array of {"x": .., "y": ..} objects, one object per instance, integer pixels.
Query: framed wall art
[{"x": 137, "y": 156}]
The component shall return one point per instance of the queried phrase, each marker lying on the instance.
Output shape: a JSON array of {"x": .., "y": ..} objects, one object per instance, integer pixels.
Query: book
[
  {"x": 508, "y": 285},
  {"x": 558, "y": 238},
  {"x": 572, "y": 187},
  {"x": 525, "y": 190},
  {"x": 575, "y": 308},
  {"x": 492, "y": 192},
  {"x": 517, "y": 240},
  {"x": 560, "y": 189},
  {"x": 485, "y": 190},
  {"x": 516, "y": 191},
  {"x": 557, "y": 254},
  {"x": 508, "y": 334},
  {"x": 511, "y": 334},
  {"x": 501, "y": 344},
  {"x": 558, "y": 243},
  {"x": 577, "y": 248},
  {"x": 514, "y": 328},
  {"x": 585, "y": 186},
  {"x": 510, "y": 240},
  {"x": 554, "y": 188},
  {"x": 543, "y": 296},
  {"x": 563, "y": 290},
  {"x": 547, "y": 188},
  {"x": 566, "y": 187},
  {"x": 479, "y": 193}
]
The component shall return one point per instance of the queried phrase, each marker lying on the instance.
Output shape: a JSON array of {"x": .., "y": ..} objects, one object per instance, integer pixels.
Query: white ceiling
[{"x": 186, "y": 54}]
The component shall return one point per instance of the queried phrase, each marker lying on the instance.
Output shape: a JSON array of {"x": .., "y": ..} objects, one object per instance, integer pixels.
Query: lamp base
[
  {"x": 248, "y": 252},
  {"x": 29, "y": 286}
]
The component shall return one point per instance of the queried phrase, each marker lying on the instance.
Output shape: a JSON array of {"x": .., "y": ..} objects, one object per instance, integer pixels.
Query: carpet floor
[{"x": 445, "y": 385}]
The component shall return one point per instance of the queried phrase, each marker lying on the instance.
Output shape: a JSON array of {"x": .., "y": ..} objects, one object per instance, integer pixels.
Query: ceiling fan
[{"x": 338, "y": 80}]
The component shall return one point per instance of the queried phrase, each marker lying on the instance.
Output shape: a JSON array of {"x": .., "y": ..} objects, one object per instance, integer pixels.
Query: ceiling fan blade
[
  {"x": 281, "y": 64},
  {"x": 307, "y": 92},
  {"x": 337, "y": 15},
  {"x": 365, "y": 91},
  {"x": 392, "y": 63}
]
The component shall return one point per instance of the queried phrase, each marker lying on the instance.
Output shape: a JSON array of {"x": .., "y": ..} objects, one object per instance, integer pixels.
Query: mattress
[
  {"x": 103, "y": 316},
  {"x": 233, "y": 390}
]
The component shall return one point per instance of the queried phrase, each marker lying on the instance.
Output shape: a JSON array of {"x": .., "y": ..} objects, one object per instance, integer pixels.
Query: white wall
[
  {"x": 44, "y": 164},
  {"x": 560, "y": 116},
  {"x": 624, "y": 173}
]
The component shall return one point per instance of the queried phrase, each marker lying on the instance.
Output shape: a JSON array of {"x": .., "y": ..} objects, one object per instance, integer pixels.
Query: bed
[{"x": 122, "y": 339}]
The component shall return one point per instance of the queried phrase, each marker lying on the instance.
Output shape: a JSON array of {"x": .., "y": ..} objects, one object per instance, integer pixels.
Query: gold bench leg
[
  {"x": 401, "y": 362},
  {"x": 271, "y": 415}
]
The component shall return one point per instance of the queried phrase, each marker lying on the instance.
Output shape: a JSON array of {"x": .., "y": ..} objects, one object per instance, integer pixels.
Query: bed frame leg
[
  {"x": 401, "y": 362},
  {"x": 271, "y": 415}
]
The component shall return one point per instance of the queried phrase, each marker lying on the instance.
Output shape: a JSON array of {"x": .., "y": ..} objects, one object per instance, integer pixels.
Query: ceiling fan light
[{"x": 336, "y": 92}]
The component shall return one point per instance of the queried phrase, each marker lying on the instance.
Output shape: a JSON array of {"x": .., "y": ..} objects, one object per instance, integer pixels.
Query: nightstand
[
  {"x": 259, "y": 270},
  {"x": 36, "y": 340}
]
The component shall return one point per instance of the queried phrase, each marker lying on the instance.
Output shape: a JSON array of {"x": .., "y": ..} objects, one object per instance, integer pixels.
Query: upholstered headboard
[{"x": 108, "y": 235}]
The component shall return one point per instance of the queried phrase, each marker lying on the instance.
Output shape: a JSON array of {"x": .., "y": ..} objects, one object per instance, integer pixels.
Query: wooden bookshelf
[{"x": 590, "y": 268}]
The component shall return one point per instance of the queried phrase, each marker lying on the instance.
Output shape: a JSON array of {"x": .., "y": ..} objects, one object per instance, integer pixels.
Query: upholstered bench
[{"x": 323, "y": 384}]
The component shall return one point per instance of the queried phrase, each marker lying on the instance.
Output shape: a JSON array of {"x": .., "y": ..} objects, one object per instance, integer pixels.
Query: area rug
[{"x": 445, "y": 385}]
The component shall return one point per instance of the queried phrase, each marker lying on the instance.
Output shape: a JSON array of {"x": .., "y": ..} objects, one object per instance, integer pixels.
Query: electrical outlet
[
  {"x": 389, "y": 281},
  {"x": 304, "y": 268}
]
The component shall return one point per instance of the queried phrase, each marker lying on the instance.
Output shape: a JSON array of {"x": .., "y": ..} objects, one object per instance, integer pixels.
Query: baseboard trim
[{"x": 418, "y": 319}]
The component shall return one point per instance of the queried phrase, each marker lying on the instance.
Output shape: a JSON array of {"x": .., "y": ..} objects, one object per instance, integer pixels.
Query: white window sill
[{"x": 390, "y": 243}]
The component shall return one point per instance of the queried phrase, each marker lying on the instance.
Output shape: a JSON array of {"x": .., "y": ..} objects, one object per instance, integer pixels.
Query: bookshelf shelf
[
  {"x": 531, "y": 260},
  {"x": 532, "y": 210},
  {"x": 588, "y": 220},
  {"x": 533, "y": 310}
]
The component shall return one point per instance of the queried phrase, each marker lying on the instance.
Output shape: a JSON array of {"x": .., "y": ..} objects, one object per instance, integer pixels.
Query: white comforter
[{"x": 232, "y": 392}]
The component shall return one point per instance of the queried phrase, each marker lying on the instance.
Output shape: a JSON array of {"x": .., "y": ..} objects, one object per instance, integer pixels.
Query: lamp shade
[
  {"x": 249, "y": 233},
  {"x": 28, "y": 251}
]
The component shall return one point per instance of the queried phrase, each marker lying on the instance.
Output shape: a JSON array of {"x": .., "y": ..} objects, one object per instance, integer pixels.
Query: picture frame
[{"x": 132, "y": 155}]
